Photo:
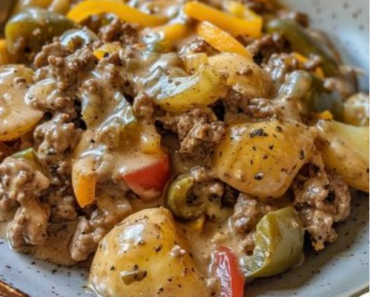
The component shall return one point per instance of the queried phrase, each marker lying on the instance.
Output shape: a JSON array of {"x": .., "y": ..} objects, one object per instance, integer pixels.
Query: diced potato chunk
[
  {"x": 262, "y": 158},
  {"x": 145, "y": 255},
  {"x": 345, "y": 149},
  {"x": 16, "y": 116},
  {"x": 244, "y": 75}
]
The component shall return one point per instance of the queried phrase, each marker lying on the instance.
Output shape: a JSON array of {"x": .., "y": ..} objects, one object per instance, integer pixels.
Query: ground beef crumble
[
  {"x": 67, "y": 70},
  {"x": 248, "y": 211},
  {"x": 322, "y": 199},
  {"x": 56, "y": 138},
  {"x": 120, "y": 31},
  {"x": 55, "y": 49},
  {"x": 257, "y": 108},
  {"x": 198, "y": 130},
  {"x": 110, "y": 211},
  {"x": 21, "y": 182},
  {"x": 262, "y": 49}
]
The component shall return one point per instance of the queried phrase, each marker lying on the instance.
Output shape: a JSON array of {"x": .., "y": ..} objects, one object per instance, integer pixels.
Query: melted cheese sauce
[{"x": 5, "y": 218}]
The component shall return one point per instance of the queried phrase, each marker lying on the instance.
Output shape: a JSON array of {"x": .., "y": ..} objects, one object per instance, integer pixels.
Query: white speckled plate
[{"x": 342, "y": 270}]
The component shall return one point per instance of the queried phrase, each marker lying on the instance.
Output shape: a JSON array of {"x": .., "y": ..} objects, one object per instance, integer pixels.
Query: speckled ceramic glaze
[{"x": 342, "y": 270}]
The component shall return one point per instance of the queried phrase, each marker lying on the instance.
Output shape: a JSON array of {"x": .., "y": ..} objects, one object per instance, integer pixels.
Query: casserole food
[{"x": 251, "y": 133}]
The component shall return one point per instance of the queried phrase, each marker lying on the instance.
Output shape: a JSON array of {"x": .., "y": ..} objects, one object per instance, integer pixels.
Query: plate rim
[{"x": 7, "y": 290}]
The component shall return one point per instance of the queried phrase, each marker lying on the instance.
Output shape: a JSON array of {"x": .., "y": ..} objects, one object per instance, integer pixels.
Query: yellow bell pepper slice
[
  {"x": 241, "y": 11},
  {"x": 221, "y": 40},
  {"x": 150, "y": 140},
  {"x": 302, "y": 59},
  {"x": 326, "y": 115},
  {"x": 126, "y": 13},
  {"x": 5, "y": 57},
  {"x": 172, "y": 32},
  {"x": 108, "y": 48},
  {"x": 233, "y": 25},
  {"x": 235, "y": 8}
]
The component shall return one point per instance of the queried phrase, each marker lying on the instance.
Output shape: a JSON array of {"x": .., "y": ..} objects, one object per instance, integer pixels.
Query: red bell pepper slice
[
  {"x": 149, "y": 182},
  {"x": 225, "y": 267}
]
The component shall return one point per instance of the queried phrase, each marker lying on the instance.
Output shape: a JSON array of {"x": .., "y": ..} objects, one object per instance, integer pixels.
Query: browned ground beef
[
  {"x": 89, "y": 232},
  {"x": 69, "y": 80},
  {"x": 198, "y": 130},
  {"x": 279, "y": 65},
  {"x": 322, "y": 199},
  {"x": 119, "y": 31},
  {"x": 199, "y": 45},
  {"x": 55, "y": 49},
  {"x": 262, "y": 49},
  {"x": 56, "y": 138},
  {"x": 257, "y": 108},
  {"x": 247, "y": 213},
  {"x": 21, "y": 183}
]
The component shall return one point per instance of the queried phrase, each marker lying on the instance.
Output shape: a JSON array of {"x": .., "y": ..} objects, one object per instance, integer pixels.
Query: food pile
[{"x": 189, "y": 145}]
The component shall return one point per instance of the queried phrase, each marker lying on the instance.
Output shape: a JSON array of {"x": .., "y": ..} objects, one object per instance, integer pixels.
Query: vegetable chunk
[
  {"x": 144, "y": 255},
  {"x": 345, "y": 149},
  {"x": 16, "y": 116},
  {"x": 279, "y": 244},
  {"x": 262, "y": 158},
  {"x": 178, "y": 94}
]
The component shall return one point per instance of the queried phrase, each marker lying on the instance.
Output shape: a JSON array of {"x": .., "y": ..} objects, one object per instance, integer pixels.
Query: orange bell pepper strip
[
  {"x": 221, "y": 40},
  {"x": 84, "y": 180},
  {"x": 5, "y": 57},
  {"x": 126, "y": 13},
  {"x": 84, "y": 188},
  {"x": 302, "y": 59},
  {"x": 233, "y": 25}
]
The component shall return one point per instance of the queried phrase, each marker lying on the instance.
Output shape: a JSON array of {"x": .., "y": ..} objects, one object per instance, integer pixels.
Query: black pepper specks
[
  {"x": 279, "y": 129},
  {"x": 258, "y": 133},
  {"x": 259, "y": 176}
]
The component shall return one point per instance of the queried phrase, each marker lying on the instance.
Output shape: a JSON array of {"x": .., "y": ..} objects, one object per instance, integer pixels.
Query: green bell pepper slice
[
  {"x": 302, "y": 42},
  {"x": 78, "y": 37},
  {"x": 279, "y": 244},
  {"x": 320, "y": 99},
  {"x": 177, "y": 199},
  {"x": 29, "y": 155},
  {"x": 36, "y": 26}
]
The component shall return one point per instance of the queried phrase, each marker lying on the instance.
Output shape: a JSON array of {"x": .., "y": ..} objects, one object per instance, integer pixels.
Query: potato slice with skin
[
  {"x": 145, "y": 256},
  {"x": 345, "y": 149},
  {"x": 16, "y": 116},
  {"x": 262, "y": 158},
  {"x": 244, "y": 75}
]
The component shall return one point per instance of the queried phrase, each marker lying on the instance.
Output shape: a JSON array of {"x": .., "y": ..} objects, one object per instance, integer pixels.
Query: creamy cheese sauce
[
  {"x": 5, "y": 218},
  {"x": 55, "y": 248}
]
